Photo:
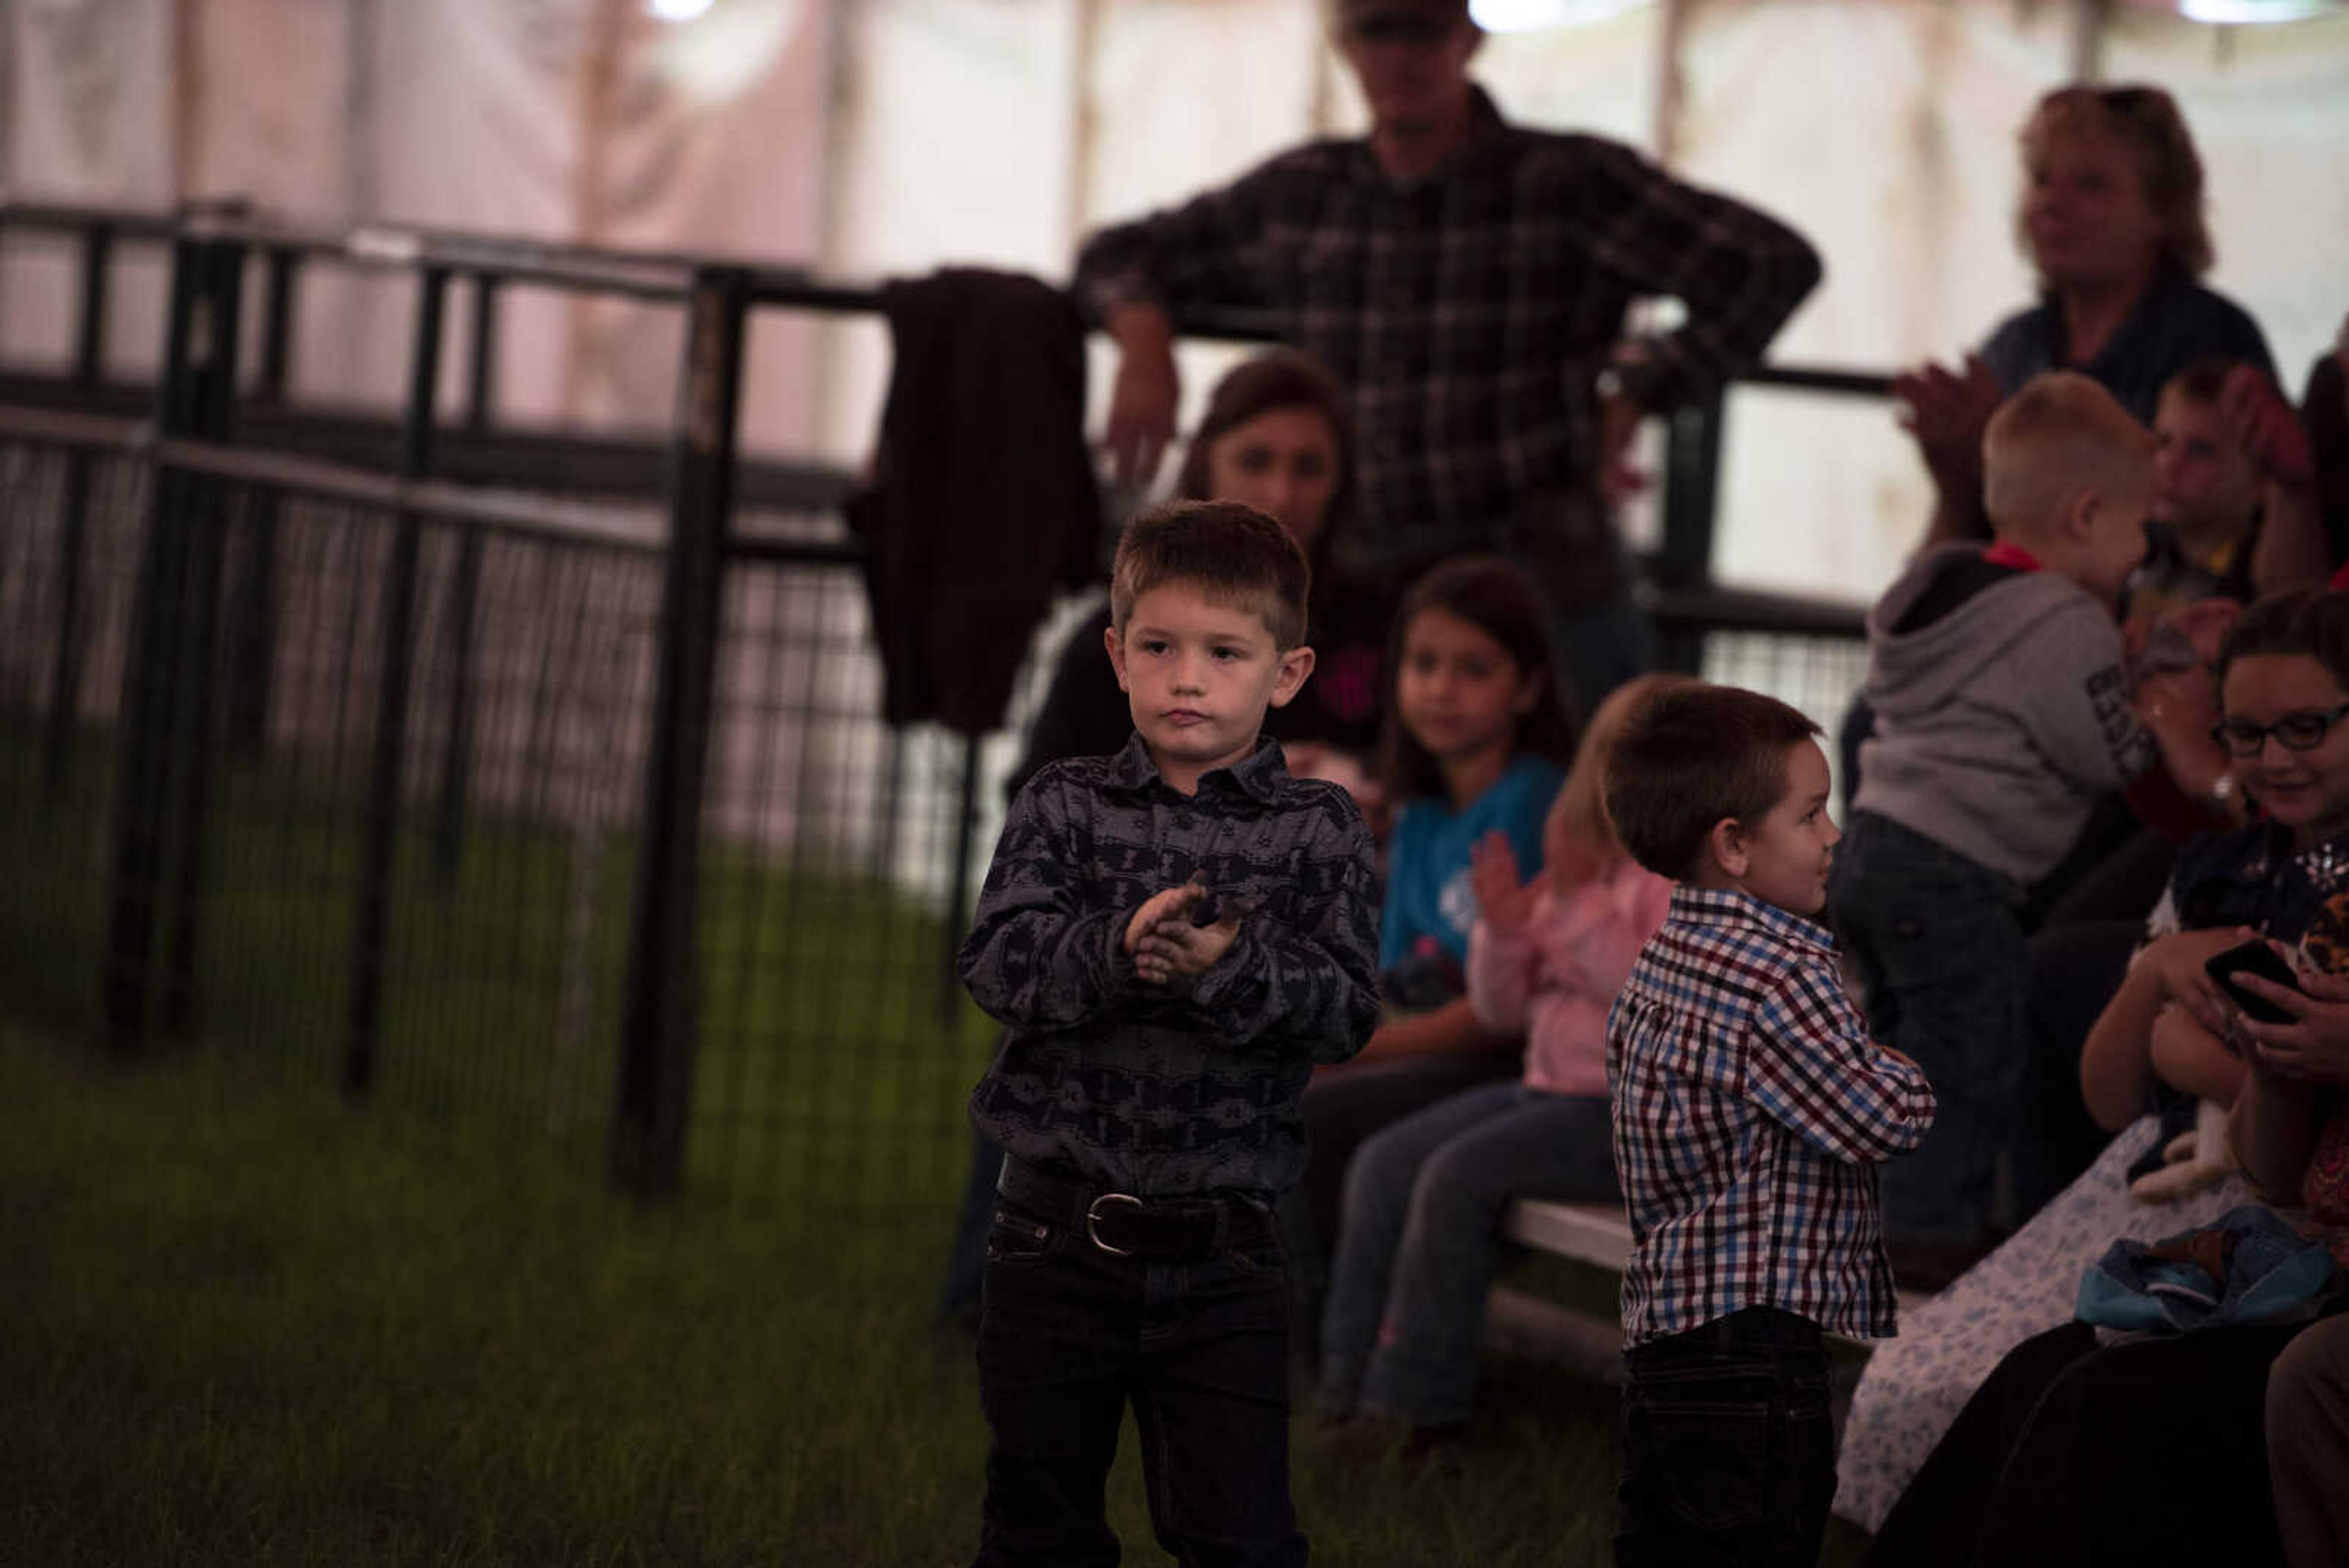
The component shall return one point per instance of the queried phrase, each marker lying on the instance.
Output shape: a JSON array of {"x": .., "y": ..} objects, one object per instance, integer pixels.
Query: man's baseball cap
[{"x": 1433, "y": 16}]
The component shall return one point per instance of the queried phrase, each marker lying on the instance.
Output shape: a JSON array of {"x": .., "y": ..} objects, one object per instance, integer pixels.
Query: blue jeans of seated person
[
  {"x": 1420, "y": 1226},
  {"x": 1341, "y": 1113},
  {"x": 1942, "y": 955},
  {"x": 1069, "y": 1335},
  {"x": 1728, "y": 1449}
]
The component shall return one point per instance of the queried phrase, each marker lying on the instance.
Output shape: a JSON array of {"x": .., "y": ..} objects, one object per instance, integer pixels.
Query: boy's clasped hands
[{"x": 1164, "y": 942}]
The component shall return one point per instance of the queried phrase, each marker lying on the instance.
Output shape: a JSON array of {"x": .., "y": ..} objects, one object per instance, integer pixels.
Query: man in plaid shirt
[
  {"x": 1469, "y": 280},
  {"x": 1751, "y": 1112}
]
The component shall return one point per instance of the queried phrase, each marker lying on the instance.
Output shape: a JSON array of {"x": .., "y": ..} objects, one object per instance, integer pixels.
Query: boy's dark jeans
[
  {"x": 1196, "y": 1337},
  {"x": 1728, "y": 1447}
]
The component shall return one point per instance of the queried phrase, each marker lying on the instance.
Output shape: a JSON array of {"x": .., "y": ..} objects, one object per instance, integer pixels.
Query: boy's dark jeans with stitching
[
  {"x": 1728, "y": 1447},
  {"x": 1069, "y": 1334}
]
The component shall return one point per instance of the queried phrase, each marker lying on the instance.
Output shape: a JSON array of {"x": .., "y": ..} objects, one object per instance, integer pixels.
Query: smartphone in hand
[{"x": 2253, "y": 958}]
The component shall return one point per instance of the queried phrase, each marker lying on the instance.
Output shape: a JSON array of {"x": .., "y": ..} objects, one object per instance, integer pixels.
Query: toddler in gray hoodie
[{"x": 2002, "y": 714}]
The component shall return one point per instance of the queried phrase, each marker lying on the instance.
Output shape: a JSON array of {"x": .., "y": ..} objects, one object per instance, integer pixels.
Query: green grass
[
  {"x": 834, "y": 1054},
  {"x": 248, "y": 1326}
]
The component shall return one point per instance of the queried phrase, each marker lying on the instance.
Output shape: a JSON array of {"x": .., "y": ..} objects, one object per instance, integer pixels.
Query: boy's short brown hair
[
  {"x": 1694, "y": 755},
  {"x": 2061, "y": 433},
  {"x": 1229, "y": 552}
]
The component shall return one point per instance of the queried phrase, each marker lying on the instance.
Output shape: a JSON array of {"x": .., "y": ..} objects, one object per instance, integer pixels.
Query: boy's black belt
[{"x": 1123, "y": 1224}]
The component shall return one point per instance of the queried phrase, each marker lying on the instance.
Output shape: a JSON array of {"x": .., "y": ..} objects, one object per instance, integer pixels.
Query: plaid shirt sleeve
[
  {"x": 1813, "y": 1068},
  {"x": 1034, "y": 958},
  {"x": 1317, "y": 985},
  {"x": 1208, "y": 251},
  {"x": 1740, "y": 273}
]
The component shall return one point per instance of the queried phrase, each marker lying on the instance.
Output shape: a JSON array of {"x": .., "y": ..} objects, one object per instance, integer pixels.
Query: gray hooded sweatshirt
[{"x": 1998, "y": 723}]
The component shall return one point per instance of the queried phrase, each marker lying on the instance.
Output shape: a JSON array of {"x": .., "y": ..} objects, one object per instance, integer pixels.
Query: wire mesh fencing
[
  {"x": 839, "y": 856},
  {"x": 1819, "y": 675},
  {"x": 835, "y": 1046},
  {"x": 577, "y": 816},
  {"x": 503, "y": 905},
  {"x": 71, "y": 518}
]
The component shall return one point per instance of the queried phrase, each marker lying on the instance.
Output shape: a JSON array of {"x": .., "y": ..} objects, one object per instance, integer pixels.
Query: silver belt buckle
[{"x": 1093, "y": 1217}]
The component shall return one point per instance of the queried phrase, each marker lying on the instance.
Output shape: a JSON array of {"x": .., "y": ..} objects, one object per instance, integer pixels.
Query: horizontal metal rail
[
  {"x": 541, "y": 517},
  {"x": 530, "y": 516},
  {"x": 642, "y": 274},
  {"x": 1745, "y": 609},
  {"x": 617, "y": 463}
]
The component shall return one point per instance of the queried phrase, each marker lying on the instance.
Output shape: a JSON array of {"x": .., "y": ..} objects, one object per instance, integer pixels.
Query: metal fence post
[
  {"x": 380, "y": 831},
  {"x": 464, "y": 593},
  {"x": 253, "y": 610},
  {"x": 661, "y": 1015},
  {"x": 1692, "y": 489},
  {"x": 203, "y": 525},
  {"x": 72, "y": 522},
  {"x": 958, "y": 911},
  {"x": 277, "y": 368},
  {"x": 135, "y": 871}
]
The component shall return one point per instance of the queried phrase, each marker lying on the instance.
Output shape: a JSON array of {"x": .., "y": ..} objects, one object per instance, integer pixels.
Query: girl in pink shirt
[{"x": 1424, "y": 1197}]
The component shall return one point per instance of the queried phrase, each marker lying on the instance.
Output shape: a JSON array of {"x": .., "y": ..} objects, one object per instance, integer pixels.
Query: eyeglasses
[{"x": 2293, "y": 732}]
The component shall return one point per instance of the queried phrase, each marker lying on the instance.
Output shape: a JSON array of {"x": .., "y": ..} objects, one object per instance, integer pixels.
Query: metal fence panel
[
  {"x": 502, "y": 959},
  {"x": 837, "y": 1047}
]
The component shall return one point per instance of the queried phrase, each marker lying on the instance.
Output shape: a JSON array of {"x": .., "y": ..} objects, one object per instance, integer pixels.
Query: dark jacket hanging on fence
[{"x": 983, "y": 502}]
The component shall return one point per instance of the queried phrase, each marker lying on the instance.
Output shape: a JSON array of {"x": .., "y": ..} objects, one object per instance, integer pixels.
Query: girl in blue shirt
[{"x": 1475, "y": 742}]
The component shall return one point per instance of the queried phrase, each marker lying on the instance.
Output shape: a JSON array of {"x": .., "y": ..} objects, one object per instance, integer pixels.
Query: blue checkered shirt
[
  {"x": 1470, "y": 312},
  {"x": 1750, "y": 1110}
]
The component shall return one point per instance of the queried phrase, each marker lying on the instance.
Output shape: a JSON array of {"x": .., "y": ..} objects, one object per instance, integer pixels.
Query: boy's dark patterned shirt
[{"x": 1190, "y": 1086}]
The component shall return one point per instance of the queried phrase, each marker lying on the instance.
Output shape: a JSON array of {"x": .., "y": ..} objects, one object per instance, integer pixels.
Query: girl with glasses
[{"x": 1971, "y": 1371}]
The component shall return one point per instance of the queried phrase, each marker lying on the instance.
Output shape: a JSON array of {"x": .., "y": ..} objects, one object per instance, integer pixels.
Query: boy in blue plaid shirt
[{"x": 1750, "y": 1110}]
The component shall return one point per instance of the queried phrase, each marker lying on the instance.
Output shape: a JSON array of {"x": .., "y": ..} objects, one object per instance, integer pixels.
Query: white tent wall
[
  {"x": 558, "y": 119},
  {"x": 92, "y": 110},
  {"x": 1155, "y": 139},
  {"x": 467, "y": 117},
  {"x": 1885, "y": 134},
  {"x": 891, "y": 137},
  {"x": 587, "y": 121},
  {"x": 1599, "y": 76},
  {"x": 1066, "y": 114},
  {"x": 952, "y": 147},
  {"x": 2270, "y": 109},
  {"x": 1605, "y": 77},
  {"x": 717, "y": 142},
  {"x": 268, "y": 118}
]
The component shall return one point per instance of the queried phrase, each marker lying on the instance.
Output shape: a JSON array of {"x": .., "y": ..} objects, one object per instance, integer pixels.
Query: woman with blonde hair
[{"x": 2112, "y": 216}]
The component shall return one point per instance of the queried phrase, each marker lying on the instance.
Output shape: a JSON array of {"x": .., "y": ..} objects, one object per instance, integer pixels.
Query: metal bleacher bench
[{"x": 1595, "y": 1233}]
